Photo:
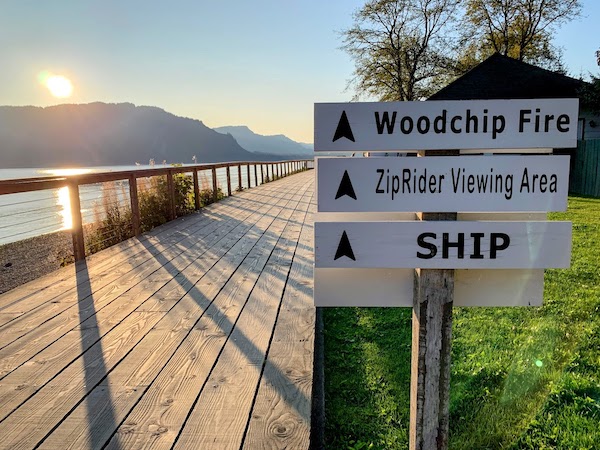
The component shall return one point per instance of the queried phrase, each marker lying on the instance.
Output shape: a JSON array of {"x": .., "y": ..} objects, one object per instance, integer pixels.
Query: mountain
[
  {"x": 99, "y": 134},
  {"x": 276, "y": 144}
]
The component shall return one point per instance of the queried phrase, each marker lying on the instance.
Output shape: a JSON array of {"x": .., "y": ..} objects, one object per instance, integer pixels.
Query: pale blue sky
[{"x": 260, "y": 63}]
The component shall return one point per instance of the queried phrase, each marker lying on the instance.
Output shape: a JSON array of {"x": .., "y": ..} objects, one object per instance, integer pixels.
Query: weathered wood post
[
  {"x": 76, "y": 220},
  {"x": 135, "y": 206},
  {"x": 248, "y": 173},
  {"x": 262, "y": 175},
  {"x": 228, "y": 181},
  {"x": 239, "y": 177},
  {"x": 214, "y": 183},
  {"x": 431, "y": 343},
  {"x": 171, "y": 194},
  {"x": 196, "y": 191},
  {"x": 255, "y": 175}
]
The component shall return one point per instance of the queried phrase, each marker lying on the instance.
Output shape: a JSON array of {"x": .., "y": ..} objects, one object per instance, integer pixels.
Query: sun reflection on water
[
  {"x": 62, "y": 196},
  {"x": 65, "y": 204},
  {"x": 66, "y": 172}
]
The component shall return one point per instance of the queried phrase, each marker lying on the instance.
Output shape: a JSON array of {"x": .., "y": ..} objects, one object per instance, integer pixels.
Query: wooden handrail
[{"x": 20, "y": 185}]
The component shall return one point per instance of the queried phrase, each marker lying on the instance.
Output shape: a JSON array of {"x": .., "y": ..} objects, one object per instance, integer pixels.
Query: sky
[{"x": 261, "y": 63}]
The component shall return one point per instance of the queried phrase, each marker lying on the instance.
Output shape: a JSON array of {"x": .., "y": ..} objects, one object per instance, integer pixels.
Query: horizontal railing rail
[{"x": 262, "y": 170}]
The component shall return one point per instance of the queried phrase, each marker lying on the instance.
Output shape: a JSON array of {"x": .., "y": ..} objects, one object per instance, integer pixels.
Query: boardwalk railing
[{"x": 118, "y": 190}]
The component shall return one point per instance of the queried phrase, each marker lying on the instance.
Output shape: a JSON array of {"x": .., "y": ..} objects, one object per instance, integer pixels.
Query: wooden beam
[
  {"x": 255, "y": 176},
  {"x": 196, "y": 191},
  {"x": 135, "y": 206},
  {"x": 77, "y": 222},
  {"x": 430, "y": 360},
  {"x": 431, "y": 344},
  {"x": 171, "y": 194},
  {"x": 239, "y": 178},
  {"x": 228, "y": 181},
  {"x": 248, "y": 173},
  {"x": 214, "y": 184}
]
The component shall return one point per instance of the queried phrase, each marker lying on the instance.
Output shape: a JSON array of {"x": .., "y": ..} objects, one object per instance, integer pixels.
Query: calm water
[{"x": 31, "y": 214}]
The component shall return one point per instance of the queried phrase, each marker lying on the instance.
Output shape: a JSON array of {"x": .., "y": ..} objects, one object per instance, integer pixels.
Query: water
[{"x": 31, "y": 214}]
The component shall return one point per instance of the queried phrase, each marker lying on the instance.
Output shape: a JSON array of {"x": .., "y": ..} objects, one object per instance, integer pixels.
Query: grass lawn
[{"x": 522, "y": 378}]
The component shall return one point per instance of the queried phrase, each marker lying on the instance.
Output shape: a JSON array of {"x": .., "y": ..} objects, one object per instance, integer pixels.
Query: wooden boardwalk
[{"x": 198, "y": 335}]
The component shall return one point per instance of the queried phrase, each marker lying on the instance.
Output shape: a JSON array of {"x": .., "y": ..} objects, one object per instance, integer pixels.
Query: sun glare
[
  {"x": 65, "y": 172},
  {"x": 65, "y": 204},
  {"x": 59, "y": 86}
]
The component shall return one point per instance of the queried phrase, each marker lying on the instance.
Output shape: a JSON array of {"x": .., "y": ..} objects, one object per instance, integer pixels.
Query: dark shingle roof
[{"x": 501, "y": 77}]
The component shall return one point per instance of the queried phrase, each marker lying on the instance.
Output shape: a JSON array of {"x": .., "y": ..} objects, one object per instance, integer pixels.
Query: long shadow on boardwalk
[
  {"x": 93, "y": 359},
  {"x": 241, "y": 341}
]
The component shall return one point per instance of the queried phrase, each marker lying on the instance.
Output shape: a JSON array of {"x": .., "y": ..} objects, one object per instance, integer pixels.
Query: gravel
[{"x": 23, "y": 261}]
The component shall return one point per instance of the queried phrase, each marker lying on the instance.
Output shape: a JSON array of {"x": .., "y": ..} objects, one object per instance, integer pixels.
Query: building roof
[{"x": 501, "y": 77}]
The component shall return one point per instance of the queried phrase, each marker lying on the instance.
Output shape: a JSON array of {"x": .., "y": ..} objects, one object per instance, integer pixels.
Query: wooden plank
[
  {"x": 171, "y": 196},
  {"x": 196, "y": 190},
  {"x": 52, "y": 402},
  {"x": 281, "y": 416},
  {"x": 135, "y": 287},
  {"x": 77, "y": 222},
  {"x": 63, "y": 280},
  {"x": 26, "y": 185},
  {"x": 221, "y": 413},
  {"x": 204, "y": 226},
  {"x": 228, "y": 182},
  {"x": 110, "y": 291},
  {"x": 135, "y": 206},
  {"x": 69, "y": 394},
  {"x": 214, "y": 184},
  {"x": 166, "y": 404},
  {"x": 430, "y": 356},
  {"x": 111, "y": 256},
  {"x": 144, "y": 363},
  {"x": 14, "y": 354}
]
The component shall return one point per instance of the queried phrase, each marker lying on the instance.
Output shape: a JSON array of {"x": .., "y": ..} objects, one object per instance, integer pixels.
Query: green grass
[{"x": 522, "y": 378}]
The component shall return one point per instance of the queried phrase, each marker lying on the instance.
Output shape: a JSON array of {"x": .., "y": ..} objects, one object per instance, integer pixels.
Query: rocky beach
[{"x": 24, "y": 261}]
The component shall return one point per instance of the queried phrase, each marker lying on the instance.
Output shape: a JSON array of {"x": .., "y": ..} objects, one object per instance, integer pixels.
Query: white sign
[
  {"x": 394, "y": 287},
  {"x": 451, "y": 124},
  {"x": 443, "y": 183},
  {"x": 443, "y": 245}
]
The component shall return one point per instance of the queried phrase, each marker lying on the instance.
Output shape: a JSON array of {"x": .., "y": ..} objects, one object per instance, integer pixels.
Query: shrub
[{"x": 206, "y": 196}]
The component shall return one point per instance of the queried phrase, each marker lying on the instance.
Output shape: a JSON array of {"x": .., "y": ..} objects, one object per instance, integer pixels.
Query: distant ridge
[
  {"x": 275, "y": 144},
  {"x": 98, "y": 134}
]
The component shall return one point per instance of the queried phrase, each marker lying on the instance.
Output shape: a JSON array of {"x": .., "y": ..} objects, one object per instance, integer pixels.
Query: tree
[
  {"x": 520, "y": 29},
  {"x": 590, "y": 93},
  {"x": 398, "y": 47}
]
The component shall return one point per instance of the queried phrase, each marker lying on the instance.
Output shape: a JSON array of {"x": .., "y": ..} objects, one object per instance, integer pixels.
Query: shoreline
[{"x": 32, "y": 258}]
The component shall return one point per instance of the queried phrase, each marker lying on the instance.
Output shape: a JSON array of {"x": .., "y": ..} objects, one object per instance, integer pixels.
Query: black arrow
[
  {"x": 344, "y": 248},
  {"x": 345, "y": 187},
  {"x": 343, "y": 129}
]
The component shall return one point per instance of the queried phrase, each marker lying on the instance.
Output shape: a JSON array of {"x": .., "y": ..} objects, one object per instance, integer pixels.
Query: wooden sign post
[
  {"x": 373, "y": 256},
  {"x": 433, "y": 300}
]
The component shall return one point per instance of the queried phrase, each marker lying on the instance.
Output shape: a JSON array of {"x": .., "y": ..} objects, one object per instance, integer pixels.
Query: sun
[{"x": 59, "y": 86}]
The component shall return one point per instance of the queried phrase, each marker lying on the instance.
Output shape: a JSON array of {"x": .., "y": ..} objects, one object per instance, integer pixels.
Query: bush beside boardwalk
[{"x": 522, "y": 378}]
